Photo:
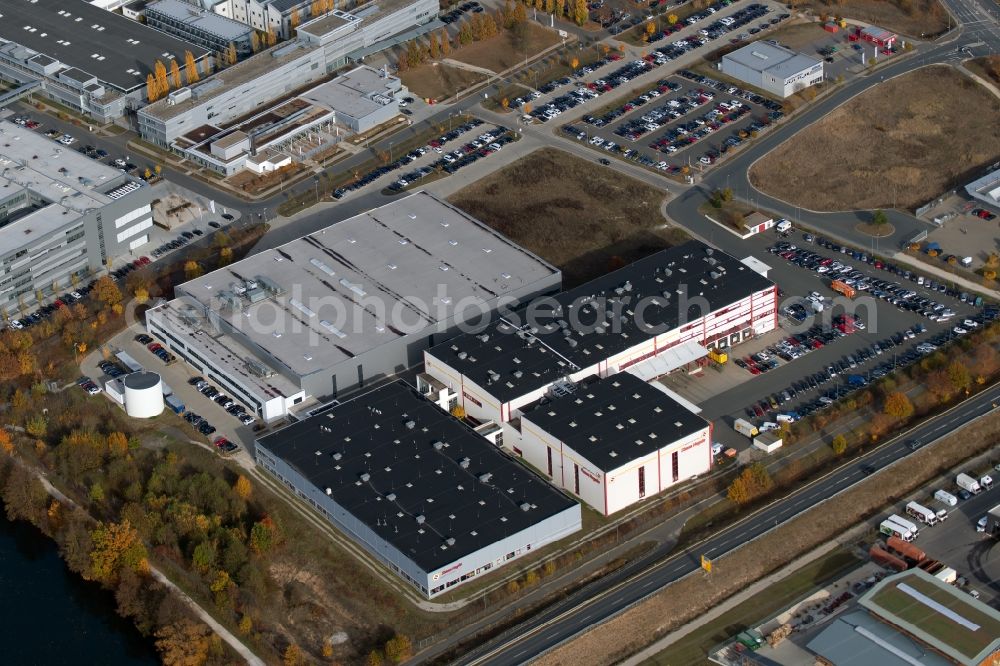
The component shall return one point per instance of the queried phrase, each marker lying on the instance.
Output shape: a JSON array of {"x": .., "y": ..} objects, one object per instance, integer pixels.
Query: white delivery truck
[
  {"x": 783, "y": 226},
  {"x": 966, "y": 482},
  {"x": 899, "y": 520},
  {"x": 945, "y": 497},
  {"x": 986, "y": 481},
  {"x": 744, "y": 427},
  {"x": 890, "y": 528},
  {"x": 921, "y": 513}
]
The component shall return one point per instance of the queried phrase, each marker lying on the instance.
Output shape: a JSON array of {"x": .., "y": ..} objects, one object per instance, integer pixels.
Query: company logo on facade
[{"x": 445, "y": 572}]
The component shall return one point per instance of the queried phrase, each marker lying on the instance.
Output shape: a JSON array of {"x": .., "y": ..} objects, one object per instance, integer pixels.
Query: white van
[{"x": 783, "y": 226}]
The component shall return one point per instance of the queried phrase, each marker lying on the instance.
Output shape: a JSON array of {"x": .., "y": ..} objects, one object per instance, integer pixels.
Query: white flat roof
[{"x": 347, "y": 289}]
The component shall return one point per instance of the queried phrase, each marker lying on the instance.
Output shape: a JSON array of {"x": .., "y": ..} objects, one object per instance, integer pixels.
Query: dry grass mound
[
  {"x": 436, "y": 81},
  {"x": 906, "y": 17},
  {"x": 583, "y": 218},
  {"x": 899, "y": 144}
]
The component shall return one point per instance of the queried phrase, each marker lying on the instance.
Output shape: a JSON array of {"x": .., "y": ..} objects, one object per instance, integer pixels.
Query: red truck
[{"x": 843, "y": 288}]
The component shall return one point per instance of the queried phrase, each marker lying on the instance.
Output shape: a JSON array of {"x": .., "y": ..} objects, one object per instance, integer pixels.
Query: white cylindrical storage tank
[{"x": 143, "y": 395}]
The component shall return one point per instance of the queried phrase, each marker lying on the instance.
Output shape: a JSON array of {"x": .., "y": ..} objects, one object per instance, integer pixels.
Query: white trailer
[
  {"x": 128, "y": 361},
  {"x": 744, "y": 427},
  {"x": 899, "y": 520},
  {"x": 945, "y": 497},
  {"x": 890, "y": 528},
  {"x": 966, "y": 482},
  {"x": 947, "y": 575},
  {"x": 921, "y": 513}
]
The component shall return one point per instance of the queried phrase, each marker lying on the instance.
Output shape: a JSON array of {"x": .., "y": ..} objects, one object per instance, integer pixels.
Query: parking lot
[
  {"x": 681, "y": 120},
  {"x": 956, "y": 541},
  {"x": 807, "y": 364}
]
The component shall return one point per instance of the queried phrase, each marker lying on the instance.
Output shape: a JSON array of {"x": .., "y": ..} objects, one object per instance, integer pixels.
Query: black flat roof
[
  {"x": 419, "y": 461},
  {"x": 596, "y": 320},
  {"x": 616, "y": 420},
  {"x": 47, "y": 25}
]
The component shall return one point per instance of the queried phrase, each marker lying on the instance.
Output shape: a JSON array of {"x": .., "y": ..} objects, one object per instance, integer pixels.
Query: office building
[
  {"x": 416, "y": 488},
  {"x": 264, "y": 15},
  {"x": 649, "y": 318},
  {"x": 89, "y": 59},
  {"x": 329, "y": 313},
  {"x": 772, "y": 68},
  {"x": 613, "y": 442},
  {"x": 62, "y": 216},
  {"x": 200, "y": 26}
]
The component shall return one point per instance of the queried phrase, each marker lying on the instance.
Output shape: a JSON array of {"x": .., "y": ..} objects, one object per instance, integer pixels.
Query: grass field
[
  {"x": 897, "y": 145},
  {"x": 987, "y": 67},
  {"x": 693, "y": 648},
  {"x": 904, "y": 606},
  {"x": 584, "y": 219},
  {"x": 510, "y": 48},
  {"x": 436, "y": 81},
  {"x": 906, "y": 17}
]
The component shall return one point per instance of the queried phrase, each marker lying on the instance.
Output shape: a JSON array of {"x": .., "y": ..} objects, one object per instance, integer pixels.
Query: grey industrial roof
[
  {"x": 797, "y": 63},
  {"x": 858, "y": 639},
  {"x": 74, "y": 32},
  {"x": 390, "y": 457},
  {"x": 986, "y": 188},
  {"x": 285, "y": 5},
  {"x": 615, "y": 420},
  {"x": 70, "y": 182},
  {"x": 202, "y": 19},
  {"x": 510, "y": 360},
  {"x": 352, "y": 93},
  {"x": 369, "y": 280},
  {"x": 964, "y": 629},
  {"x": 763, "y": 56},
  {"x": 225, "y": 80},
  {"x": 322, "y": 25}
]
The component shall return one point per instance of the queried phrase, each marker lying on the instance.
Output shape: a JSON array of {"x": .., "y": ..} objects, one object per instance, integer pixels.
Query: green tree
[
  {"x": 261, "y": 538},
  {"x": 839, "y": 445},
  {"x": 898, "y": 406},
  {"x": 959, "y": 376},
  {"x": 398, "y": 649},
  {"x": 203, "y": 556},
  {"x": 879, "y": 218},
  {"x": 116, "y": 546},
  {"x": 37, "y": 426}
]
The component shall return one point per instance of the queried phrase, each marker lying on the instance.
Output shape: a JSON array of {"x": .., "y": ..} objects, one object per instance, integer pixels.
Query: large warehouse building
[
  {"x": 986, "y": 189},
  {"x": 772, "y": 68},
  {"x": 650, "y": 317},
  {"x": 200, "y": 26},
  {"x": 62, "y": 215},
  {"x": 613, "y": 442},
  {"x": 328, "y": 313},
  {"x": 419, "y": 490},
  {"x": 89, "y": 59}
]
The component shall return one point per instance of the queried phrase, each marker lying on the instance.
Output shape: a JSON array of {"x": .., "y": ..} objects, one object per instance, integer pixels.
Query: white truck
[
  {"x": 899, "y": 520},
  {"x": 942, "y": 515},
  {"x": 986, "y": 481},
  {"x": 923, "y": 514},
  {"x": 966, "y": 482},
  {"x": 890, "y": 528},
  {"x": 744, "y": 427},
  {"x": 945, "y": 497}
]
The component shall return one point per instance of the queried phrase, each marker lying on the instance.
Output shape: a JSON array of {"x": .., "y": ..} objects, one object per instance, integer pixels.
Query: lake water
[{"x": 51, "y": 616}]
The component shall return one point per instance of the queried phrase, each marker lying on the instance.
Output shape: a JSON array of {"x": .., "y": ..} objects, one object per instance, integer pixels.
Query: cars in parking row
[
  {"x": 834, "y": 269},
  {"x": 160, "y": 352},
  {"x": 436, "y": 145},
  {"x": 795, "y": 346},
  {"x": 200, "y": 423},
  {"x": 456, "y": 13},
  {"x": 88, "y": 385},
  {"x": 182, "y": 239},
  {"x": 849, "y": 368},
  {"x": 226, "y": 447},
  {"x": 234, "y": 408},
  {"x": 487, "y": 144},
  {"x": 111, "y": 369}
]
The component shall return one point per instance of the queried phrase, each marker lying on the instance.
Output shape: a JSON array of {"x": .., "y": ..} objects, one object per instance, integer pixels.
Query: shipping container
[
  {"x": 173, "y": 403},
  {"x": 886, "y": 559},
  {"x": 905, "y": 549},
  {"x": 843, "y": 288},
  {"x": 744, "y": 427}
]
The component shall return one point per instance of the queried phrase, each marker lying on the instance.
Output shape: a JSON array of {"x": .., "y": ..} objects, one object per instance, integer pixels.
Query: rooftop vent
[
  {"x": 329, "y": 491},
  {"x": 420, "y": 519},
  {"x": 365, "y": 477},
  {"x": 450, "y": 541},
  {"x": 464, "y": 463},
  {"x": 525, "y": 506},
  {"x": 485, "y": 478},
  {"x": 391, "y": 497}
]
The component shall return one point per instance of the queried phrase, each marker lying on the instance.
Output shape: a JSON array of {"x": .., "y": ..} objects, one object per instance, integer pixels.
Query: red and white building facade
[
  {"x": 613, "y": 443},
  {"x": 500, "y": 396}
]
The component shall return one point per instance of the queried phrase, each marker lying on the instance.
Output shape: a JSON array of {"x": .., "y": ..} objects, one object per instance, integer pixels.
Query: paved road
[{"x": 589, "y": 606}]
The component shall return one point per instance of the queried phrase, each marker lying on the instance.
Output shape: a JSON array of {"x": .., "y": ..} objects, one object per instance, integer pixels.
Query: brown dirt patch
[
  {"x": 876, "y": 230},
  {"x": 510, "y": 48},
  {"x": 987, "y": 67},
  {"x": 899, "y": 144},
  {"x": 436, "y": 81},
  {"x": 906, "y": 17},
  {"x": 692, "y": 596},
  {"x": 583, "y": 219}
]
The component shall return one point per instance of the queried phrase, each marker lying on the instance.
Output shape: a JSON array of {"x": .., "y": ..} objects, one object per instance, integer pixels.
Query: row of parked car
[
  {"x": 182, "y": 239},
  {"x": 456, "y": 13},
  {"x": 485, "y": 145},
  {"x": 221, "y": 399},
  {"x": 584, "y": 92},
  {"x": 437, "y": 145},
  {"x": 200, "y": 423},
  {"x": 886, "y": 290}
]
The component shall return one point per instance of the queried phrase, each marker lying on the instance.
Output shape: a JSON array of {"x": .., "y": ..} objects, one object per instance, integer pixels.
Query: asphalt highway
[{"x": 616, "y": 593}]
